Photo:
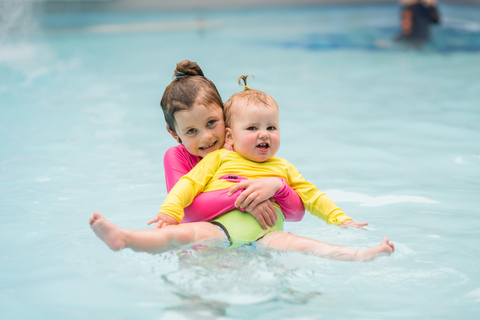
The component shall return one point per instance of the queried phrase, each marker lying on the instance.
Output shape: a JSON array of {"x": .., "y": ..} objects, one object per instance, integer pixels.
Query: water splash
[
  {"x": 17, "y": 54},
  {"x": 16, "y": 18},
  {"x": 212, "y": 274}
]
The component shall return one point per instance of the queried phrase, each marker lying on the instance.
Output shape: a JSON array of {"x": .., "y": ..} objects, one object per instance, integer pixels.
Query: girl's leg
[
  {"x": 280, "y": 240},
  {"x": 154, "y": 241}
]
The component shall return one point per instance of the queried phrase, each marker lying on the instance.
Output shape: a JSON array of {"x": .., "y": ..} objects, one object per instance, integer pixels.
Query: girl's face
[{"x": 201, "y": 129}]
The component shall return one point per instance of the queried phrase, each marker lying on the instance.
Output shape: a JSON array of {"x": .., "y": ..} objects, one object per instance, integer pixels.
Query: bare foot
[
  {"x": 107, "y": 232},
  {"x": 385, "y": 247}
]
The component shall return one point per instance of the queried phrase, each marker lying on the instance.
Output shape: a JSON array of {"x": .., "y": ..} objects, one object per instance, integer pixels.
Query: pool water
[{"x": 392, "y": 135}]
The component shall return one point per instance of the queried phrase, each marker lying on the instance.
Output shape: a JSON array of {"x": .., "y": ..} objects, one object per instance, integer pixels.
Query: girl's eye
[
  {"x": 252, "y": 128},
  {"x": 211, "y": 123},
  {"x": 271, "y": 128},
  {"x": 191, "y": 131}
]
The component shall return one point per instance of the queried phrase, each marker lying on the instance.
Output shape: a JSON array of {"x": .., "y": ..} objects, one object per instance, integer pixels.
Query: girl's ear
[
  {"x": 174, "y": 135},
  {"x": 228, "y": 136}
]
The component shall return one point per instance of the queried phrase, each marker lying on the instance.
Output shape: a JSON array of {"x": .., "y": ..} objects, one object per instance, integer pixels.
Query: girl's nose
[{"x": 207, "y": 135}]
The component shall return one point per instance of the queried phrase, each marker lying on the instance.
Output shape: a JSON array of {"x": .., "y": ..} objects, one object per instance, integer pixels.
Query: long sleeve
[
  {"x": 189, "y": 186},
  {"x": 315, "y": 201},
  {"x": 207, "y": 205},
  {"x": 290, "y": 203}
]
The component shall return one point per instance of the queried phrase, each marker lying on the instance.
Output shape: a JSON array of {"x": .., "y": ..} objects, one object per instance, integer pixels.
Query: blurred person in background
[{"x": 416, "y": 18}]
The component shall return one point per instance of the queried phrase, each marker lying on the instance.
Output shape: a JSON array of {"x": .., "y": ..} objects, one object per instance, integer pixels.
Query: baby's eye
[
  {"x": 192, "y": 131},
  {"x": 252, "y": 128},
  {"x": 271, "y": 128}
]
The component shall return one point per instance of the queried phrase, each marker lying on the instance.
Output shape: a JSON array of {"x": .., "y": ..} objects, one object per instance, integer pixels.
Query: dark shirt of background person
[{"x": 416, "y": 18}]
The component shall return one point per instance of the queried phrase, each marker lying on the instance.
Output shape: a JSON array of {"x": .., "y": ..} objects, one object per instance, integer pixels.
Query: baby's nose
[{"x": 263, "y": 134}]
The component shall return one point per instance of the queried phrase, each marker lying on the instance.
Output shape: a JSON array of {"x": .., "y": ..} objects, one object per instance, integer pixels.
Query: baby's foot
[
  {"x": 385, "y": 247},
  {"x": 108, "y": 232}
]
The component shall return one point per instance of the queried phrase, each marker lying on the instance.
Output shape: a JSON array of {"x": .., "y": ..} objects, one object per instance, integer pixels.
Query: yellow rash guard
[{"x": 205, "y": 176}]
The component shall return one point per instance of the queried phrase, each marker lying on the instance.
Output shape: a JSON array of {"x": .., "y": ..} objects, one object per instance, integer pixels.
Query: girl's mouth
[{"x": 209, "y": 146}]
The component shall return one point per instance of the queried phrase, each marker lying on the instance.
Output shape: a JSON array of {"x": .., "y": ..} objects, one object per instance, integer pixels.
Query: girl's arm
[
  {"x": 290, "y": 202},
  {"x": 258, "y": 190},
  {"x": 208, "y": 205}
]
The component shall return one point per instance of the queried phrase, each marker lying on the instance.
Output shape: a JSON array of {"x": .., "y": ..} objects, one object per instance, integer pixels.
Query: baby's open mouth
[
  {"x": 209, "y": 146},
  {"x": 263, "y": 146}
]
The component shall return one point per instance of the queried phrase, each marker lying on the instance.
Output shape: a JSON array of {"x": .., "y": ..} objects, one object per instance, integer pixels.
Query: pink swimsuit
[{"x": 208, "y": 205}]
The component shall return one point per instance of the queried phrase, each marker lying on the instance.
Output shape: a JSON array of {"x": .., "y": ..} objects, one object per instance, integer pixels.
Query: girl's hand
[
  {"x": 163, "y": 220},
  {"x": 265, "y": 214},
  {"x": 351, "y": 223},
  {"x": 255, "y": 191}
]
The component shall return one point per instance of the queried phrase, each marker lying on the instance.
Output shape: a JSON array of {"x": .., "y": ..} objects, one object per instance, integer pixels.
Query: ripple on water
[{"x": 213, "y": 273}]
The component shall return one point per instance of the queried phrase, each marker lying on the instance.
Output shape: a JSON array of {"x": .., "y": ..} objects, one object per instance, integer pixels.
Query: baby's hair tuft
[
  {"x": 246, "y": 97},
  {"x": 244, "y": 79}
]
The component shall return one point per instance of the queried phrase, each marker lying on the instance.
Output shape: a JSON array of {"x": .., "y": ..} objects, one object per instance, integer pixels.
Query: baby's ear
[
  {"x": 228, "y": 136},
  {"x": 174, "y": 135}
]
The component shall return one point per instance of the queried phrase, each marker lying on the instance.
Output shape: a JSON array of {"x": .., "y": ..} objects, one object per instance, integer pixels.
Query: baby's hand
[
  {"x": 163, "y": 220},
  {"x": 351, "y": 223}
]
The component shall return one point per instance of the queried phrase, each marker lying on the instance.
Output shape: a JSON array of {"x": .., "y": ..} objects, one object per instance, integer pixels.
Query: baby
[{"x": 253, "y": 132}]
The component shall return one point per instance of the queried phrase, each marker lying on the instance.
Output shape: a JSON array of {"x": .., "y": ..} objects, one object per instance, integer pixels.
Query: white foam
[
  {"x": 475, "y": 294},
  {"x": 459, "y": 160},
  {"x": 149, "y": 27},
  {"x": 367, "y": 201},
  {"x": 11, "y": 53}
]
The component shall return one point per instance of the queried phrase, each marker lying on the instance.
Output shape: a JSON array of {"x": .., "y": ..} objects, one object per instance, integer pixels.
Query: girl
[
  {"x": 253, "y": 132},
  {"x": 174, "y": 236},
  {"x": 193, "y": 111}
]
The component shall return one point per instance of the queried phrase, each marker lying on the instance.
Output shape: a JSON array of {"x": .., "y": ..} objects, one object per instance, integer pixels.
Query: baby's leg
[
  {"x": 154, "y": 241},
  {"x": 280, "y": 240}
]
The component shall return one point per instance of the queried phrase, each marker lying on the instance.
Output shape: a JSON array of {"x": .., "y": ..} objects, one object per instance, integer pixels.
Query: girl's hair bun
[{"x": 187, "y": 68}]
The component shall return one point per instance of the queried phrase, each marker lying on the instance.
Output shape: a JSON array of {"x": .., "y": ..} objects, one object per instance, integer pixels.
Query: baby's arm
[
  {"x": 318, "y": 203},
  {"x": 187, "y": 188},
  {"x": 206, "y": 206}
]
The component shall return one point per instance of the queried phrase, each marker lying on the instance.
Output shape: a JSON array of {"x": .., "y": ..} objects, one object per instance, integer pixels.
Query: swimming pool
[{"x": 391, "y": 135}]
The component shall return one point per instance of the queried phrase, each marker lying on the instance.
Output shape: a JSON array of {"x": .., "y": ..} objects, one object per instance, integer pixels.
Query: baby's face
[
  {"x": 255, "y": 132},
  {"x": 201, "y": 129}
]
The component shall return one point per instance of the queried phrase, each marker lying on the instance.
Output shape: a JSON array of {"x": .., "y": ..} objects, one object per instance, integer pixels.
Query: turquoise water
[{"x": 391, "y": 135}]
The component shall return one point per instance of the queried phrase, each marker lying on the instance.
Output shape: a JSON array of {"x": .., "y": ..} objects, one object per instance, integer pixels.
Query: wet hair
[
  {"x": 244, "y": 98},
  {"x": 189, "y": 87}
]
